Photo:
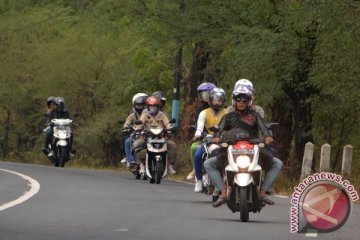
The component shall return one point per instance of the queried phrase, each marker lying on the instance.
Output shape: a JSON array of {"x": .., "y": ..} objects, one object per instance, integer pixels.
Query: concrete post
[
  {"x": 346, "y": 160},
  {"x": 325, "y": 158},
  {"x": 307, "y": 160}
]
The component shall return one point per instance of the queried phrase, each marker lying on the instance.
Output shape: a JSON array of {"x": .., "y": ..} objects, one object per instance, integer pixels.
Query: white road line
[
  {"x": 34, "y": 189},
  {"x": 311, "y": 233}
]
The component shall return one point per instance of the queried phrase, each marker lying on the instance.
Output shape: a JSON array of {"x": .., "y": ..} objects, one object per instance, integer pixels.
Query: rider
[
  {"x": 153, "y": 116},
  {"x": 207, "y": 118},
  {"x": 60, "y": 113},
  {"x": 203, "y": 91},
  {"x": 161, "y": 96},
  {"x": 245, "y": 118},
  {"x": 138, "y": 102},
  {"x": 51, "y": 106},
  {"x": 276, "y": 164}
]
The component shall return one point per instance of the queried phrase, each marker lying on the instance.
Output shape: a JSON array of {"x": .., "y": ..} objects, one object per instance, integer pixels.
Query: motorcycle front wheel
[{"x": 244, "y": 210}]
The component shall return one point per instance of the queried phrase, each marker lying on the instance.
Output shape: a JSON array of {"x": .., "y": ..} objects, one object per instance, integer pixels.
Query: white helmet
[
  {"x": 139, "y": 97},
  {"x": 242, "y": 91},
  {"x": 245, "y": 83}
]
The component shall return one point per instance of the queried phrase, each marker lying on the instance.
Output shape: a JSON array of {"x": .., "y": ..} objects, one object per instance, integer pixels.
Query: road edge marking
[{"x": 34, "y": 189}]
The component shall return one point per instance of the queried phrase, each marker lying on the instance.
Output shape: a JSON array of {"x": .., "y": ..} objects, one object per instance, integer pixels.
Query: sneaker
[
  {"x": 191, "y": 175},
  {"x": 123, "y": 160},
  {"x": 198, "y": 186},
  {"x": 128, "y": 165},
  {"x": 171, "y": 170},
  {"x": 51, "y": 153}
]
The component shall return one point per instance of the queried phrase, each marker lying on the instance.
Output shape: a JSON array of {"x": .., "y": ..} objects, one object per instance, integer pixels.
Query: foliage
[{"x": 301, "y": 56}]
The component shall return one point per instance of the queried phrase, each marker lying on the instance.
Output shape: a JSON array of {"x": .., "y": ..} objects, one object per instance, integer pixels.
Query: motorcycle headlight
[{"x": 243, "y": 161}]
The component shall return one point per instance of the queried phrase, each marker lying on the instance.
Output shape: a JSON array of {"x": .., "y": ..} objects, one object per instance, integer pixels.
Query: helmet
[
  {"x": 206, "y": 86},
  {"x": 138, "y": 102},
  {"x": 242, "y": 92},
  {"x": 245, "y": 83},
  {"x": 139, "y": 97},
  {"x": 161, "y": 96},
  {"x": 219, "y": 94},
  {"x": 153, "y": 104},
  {"x": 203, "y": 91},
  {"x": 50, "y": 99},
  {"x": 61, "y": 103}
]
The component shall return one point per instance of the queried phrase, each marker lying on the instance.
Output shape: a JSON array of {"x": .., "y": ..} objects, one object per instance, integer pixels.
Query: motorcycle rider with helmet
[
  {"x": 276, "y": 164},
  {"x": 138, "y": 103},
  {"x": 60, "y": 113},
  {"x": 207, "y": 118},
  {"x": 161, "y": 96},
  {"x": 249, "y": 121},
  {"x": 51, "y": 106},
  {"x": 203, "y": 91},
  {"x": 153, "y": 116}
]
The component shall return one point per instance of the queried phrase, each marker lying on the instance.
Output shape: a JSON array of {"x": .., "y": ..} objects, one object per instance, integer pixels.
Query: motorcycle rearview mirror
[{"x": 173, "y": 120}]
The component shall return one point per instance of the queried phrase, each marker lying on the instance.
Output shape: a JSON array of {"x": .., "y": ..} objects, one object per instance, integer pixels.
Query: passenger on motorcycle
[
  {"x": 153, "y": 117},
  {"x": 207, "y": 118},
  {"x": 138, "y": 103},
  {"x": 161, "y": 96},
  {"x": 203, "y": 91},
  {"x": 60, "y": 113},
  {"x": 251, "y": 122}
]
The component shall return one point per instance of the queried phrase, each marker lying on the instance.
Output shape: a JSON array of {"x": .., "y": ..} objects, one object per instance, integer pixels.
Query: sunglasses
[{"x": 242, "y": 100}]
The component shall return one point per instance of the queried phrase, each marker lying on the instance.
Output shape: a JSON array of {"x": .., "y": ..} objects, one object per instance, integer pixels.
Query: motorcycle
[
  {"x": 156, "y": 163},
  {"x": 61, "y": 141},
  {"x": 243, "y": 173}
]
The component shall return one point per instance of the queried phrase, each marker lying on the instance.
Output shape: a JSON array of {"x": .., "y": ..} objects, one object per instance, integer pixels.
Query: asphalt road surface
[{"x": 42, "y": 202}]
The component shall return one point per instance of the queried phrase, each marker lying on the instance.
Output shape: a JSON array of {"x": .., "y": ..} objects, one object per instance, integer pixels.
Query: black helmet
[
  {"x": 161, "y": 96},
  {"x": 61, "y": 103},
  {"x": 50, "y": 100}
]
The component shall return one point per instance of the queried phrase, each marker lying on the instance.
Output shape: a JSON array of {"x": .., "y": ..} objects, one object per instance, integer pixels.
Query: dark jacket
[
  {"x": 59, "y": 114},
  {"x": 250, "y": 121}
]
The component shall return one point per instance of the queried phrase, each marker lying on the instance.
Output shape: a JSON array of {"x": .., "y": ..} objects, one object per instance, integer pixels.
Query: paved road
[{"x": 89, "y": 204}]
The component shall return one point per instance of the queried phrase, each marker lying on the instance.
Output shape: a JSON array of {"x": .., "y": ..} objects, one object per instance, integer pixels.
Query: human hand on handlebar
[{"x": 268, "y": 140}]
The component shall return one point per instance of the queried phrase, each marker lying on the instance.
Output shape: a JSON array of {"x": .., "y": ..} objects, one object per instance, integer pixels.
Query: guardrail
[{"x": 325, "y": 159}]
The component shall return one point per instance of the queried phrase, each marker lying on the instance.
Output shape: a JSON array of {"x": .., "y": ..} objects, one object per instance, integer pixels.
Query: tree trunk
[
  {"x": 194, "y": 78},
  {"x": 299, "y": 90},
  {"x": 281, "y": 113}
]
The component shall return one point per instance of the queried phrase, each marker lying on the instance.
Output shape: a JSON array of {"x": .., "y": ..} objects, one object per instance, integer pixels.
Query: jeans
[
  {"x": 198, "y": 162},
  {"x": 127, "y": 146},
  {"x": 271, "y": 174},
  {"x": 193, "y": 148},
  {"x": 213, "y": 166}
]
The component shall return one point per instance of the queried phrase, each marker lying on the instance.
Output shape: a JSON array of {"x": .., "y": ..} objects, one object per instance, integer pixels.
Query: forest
[{"x": 303, "y": 57}]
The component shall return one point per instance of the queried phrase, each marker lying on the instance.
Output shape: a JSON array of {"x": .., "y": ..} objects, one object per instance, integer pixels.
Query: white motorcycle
[
  {"x": 243, "y": 173},
  {"x": 156, "y": 154},
  {"x": 61, "y": 141}
]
